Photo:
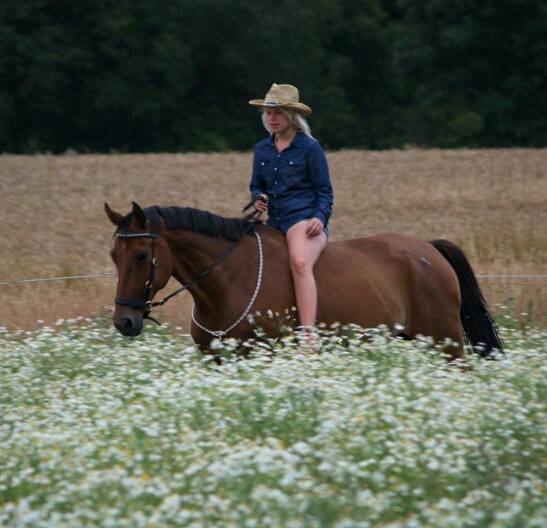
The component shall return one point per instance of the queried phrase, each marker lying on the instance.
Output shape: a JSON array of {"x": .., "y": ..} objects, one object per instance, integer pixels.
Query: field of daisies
[{"x": 100, "y": 430}]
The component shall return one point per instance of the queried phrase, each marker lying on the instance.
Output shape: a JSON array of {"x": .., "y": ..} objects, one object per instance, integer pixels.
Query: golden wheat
[{"x": 491, "y": 202}]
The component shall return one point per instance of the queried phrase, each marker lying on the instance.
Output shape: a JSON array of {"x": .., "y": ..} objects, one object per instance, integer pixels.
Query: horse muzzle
[{"x": 129, "y": 323}]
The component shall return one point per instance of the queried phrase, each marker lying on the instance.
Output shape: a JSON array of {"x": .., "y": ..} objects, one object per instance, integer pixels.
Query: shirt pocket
[
  {"x": 297, "y": 168},
  {"x": 297, "y": 172},
  {"x": 264, "y": 166}
]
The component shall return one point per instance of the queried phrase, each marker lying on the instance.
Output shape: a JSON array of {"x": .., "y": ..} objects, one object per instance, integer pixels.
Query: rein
[
  {"x": 221, "y": 333},
  {"x": 146, "y": 304}
]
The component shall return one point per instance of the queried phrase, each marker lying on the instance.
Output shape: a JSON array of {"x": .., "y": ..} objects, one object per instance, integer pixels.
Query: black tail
[{"x": 477, "y": 322}]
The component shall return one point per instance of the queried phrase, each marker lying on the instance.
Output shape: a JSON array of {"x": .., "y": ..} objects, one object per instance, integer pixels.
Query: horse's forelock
[
  {"x": 126, "y": 222},
  {"x": 152, "y": 216}
]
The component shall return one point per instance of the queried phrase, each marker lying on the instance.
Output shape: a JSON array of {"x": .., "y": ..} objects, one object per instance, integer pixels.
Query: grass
[
  {"x": 98, "y": 430},
  {"x": 491, "y": 202}
]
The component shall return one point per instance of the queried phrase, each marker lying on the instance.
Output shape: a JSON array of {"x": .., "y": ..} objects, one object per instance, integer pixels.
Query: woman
[{"x": 291, "y": 182}]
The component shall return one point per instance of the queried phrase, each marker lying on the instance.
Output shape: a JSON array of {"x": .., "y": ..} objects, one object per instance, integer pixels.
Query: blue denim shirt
[{"x": 296, "y": 180}]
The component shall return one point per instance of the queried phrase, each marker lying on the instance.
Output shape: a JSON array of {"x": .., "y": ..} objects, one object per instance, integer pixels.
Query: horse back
[
  {"x": 385, "y": 278},
  {"x": 384, "y": 249}
]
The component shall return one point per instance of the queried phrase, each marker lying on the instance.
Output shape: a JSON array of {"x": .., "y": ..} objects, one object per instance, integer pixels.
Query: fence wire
[
  {"x": 54, "y": 279},
  {"x": 112, "y": 274}
]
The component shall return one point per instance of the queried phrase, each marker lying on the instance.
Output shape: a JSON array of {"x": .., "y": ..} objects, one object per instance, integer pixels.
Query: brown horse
[{"x": 234, "y": 268}]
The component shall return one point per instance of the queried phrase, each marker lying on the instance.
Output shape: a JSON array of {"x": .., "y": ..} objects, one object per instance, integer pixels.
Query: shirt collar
[{"x": 297, "y": 141}]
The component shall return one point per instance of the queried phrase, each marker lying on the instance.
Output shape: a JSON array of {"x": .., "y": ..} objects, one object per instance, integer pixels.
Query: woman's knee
[{"x": 301, "y": 265}]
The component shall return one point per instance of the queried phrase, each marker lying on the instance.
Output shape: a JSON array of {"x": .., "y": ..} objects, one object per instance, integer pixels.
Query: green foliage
[
  {"x": 136, "y": 75},
  {"x": 477, "y": 70}
]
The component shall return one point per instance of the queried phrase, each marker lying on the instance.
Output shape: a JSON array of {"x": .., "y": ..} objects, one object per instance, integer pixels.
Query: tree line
[{"x": 176, "y": 75}]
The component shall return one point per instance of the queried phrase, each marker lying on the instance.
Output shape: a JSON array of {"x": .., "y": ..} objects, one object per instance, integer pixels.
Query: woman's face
[{"x": 278, "y": 122}]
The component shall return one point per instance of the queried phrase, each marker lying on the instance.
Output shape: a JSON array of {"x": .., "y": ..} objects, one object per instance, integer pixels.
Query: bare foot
[{"x": 308, "y": 339}]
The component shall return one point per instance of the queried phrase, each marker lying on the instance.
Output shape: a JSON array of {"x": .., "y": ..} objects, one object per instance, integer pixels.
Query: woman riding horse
[
  {"x": 234, "y": 269},
  {"x": 290, "y": 181},
  {"x": 426, "y": 288}
]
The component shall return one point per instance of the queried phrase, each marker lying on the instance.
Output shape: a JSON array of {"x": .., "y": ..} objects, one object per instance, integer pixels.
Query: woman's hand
[
  {"x": 314, "y": 227},
  {"x": 261, "y": 203}
]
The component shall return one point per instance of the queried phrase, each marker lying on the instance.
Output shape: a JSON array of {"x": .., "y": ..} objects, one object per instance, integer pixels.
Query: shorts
[{"x": 285, "y": 223}]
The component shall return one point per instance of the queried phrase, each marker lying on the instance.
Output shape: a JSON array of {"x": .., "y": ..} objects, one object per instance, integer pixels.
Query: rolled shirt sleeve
[
  {"x": 319, "y": 174},
  {"x": 256, "y": 187}
]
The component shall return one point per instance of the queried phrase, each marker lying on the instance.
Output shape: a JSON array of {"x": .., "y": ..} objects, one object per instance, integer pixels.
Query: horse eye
[{"x": 142, "y": 257}]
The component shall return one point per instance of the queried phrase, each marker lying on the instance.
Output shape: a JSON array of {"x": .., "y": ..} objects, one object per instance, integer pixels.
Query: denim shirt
[{"x": 296, "y": 180}]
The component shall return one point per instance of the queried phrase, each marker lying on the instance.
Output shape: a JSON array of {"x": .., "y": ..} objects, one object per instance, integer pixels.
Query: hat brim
[{"x": 299, "y": 107}]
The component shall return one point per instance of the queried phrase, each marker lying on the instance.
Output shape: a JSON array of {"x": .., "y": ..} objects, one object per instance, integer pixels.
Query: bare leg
[{"x": 304, "y": 252}]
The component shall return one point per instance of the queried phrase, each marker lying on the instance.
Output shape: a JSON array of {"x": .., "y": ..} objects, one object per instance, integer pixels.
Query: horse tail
[{"x": 478, "y": 324}]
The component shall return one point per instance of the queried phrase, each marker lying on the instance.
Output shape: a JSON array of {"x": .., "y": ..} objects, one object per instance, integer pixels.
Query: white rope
[
  {"x": 221, "y": 333},
  {"x": 111, "y": 274},
  {"x": 512, "y": 276},
  {"x": 52, "y": 279}
]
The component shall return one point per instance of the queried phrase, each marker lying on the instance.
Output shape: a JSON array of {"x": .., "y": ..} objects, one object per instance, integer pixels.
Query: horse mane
[{"x": 194, "y": 220}]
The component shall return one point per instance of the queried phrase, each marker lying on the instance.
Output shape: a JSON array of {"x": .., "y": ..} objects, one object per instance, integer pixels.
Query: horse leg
[
  {"x": 452, "y": 331},
  {"x": 442, "y": 330},
  {"x": 435, "y": 307}
]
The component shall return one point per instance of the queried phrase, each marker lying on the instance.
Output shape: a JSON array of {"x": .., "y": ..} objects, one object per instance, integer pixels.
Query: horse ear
[
  {"x": 115, "y": 218},
  {"x": 139, "y": 215}
]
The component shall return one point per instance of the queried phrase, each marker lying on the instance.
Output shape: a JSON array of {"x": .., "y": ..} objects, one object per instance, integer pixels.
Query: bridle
[{"x": 146, "y": 304}]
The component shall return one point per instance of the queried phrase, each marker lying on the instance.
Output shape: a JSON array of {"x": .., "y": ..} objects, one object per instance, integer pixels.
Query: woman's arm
[
  {"x": 319, "y": 173},
  {"x": 256, "y": 186}
]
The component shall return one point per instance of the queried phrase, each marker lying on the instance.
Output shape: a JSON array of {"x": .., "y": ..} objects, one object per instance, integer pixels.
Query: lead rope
[{"x": 221, "y": 333}]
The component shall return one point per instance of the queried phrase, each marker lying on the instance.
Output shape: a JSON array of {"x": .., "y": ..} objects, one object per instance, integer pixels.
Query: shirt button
[{"x": 275, "y": 168}]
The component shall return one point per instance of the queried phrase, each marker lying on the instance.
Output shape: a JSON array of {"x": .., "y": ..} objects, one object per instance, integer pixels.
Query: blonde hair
[{"x": 295, "y": 119}]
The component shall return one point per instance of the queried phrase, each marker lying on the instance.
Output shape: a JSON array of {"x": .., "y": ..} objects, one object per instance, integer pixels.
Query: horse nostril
[{"x": 126, "y": 324}]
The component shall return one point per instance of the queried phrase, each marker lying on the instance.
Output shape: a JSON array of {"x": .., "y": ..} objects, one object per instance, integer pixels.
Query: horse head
[{"x": 144, "y": 263}]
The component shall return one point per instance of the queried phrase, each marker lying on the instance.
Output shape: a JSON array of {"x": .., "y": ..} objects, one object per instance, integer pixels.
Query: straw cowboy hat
[{"x": 282, "y": 96}]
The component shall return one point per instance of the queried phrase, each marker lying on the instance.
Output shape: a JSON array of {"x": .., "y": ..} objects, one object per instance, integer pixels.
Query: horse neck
[{"x": 194, "y": 252}]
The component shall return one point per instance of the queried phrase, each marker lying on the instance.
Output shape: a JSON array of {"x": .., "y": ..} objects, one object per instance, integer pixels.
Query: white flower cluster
[{"x": 100, "y": 430}]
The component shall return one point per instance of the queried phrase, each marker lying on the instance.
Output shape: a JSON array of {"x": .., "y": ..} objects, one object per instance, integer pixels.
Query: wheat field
[{"x": 493, "y": 203}]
